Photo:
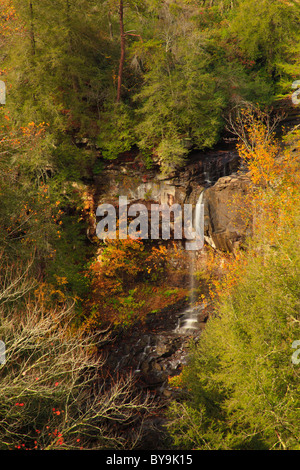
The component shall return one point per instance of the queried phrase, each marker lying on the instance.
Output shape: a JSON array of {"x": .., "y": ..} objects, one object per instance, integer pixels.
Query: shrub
[{"x": 52, "y": 395}]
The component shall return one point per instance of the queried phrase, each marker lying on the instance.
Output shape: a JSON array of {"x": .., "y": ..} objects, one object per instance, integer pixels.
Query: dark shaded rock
[{"x": 203, "y": 316}]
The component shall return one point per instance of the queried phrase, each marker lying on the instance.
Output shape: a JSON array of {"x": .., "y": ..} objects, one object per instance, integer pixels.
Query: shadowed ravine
[{"x": 157, "y": 349}]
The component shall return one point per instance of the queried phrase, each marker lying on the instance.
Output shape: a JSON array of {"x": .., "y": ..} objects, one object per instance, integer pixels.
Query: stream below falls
[
  {"x": 153, "y": 352},
  {"x": 156, "y": 349}
]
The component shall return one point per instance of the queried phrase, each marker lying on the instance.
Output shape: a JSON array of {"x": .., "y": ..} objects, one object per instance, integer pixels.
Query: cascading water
[
  {"x": 188, "y": 321},
  {"x": 144, "y": 354}
]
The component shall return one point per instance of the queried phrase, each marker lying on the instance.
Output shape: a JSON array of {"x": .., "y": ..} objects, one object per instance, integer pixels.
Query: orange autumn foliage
[
  {"x": 9, "y": 26},
  {"x": 274, "y": 174},
  {"x": 120, "y": 267}
]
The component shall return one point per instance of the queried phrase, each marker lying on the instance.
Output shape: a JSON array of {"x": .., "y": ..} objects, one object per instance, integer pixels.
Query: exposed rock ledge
[{"x": 224, "y": 228}]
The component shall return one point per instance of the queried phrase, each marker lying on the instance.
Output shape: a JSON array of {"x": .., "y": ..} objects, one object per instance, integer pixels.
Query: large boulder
[{"x": 225, "y": 228}]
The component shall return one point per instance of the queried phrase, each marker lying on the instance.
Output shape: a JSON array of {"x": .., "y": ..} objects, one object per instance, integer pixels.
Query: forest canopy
[{"x": 159, "y": 75}]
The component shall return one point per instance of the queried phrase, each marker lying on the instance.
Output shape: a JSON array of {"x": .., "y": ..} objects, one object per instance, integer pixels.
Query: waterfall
[
  {"x": 206, "y": 177},
  {"x": 192, "y": 264},
  {"x": 192, "y": 254},
  {"x": 189, "y": 319},
  {"x": 198, "y": 212}
]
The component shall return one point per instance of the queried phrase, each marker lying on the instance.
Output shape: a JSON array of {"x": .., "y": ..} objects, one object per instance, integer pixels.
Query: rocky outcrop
[
  {"x": 132, "y": 179},
  {"x": 152, "y": 352},
  {"x": 225, "y": 229},
  {"x": 214, "y": 172},
  {"x": 156, "y": 349}
]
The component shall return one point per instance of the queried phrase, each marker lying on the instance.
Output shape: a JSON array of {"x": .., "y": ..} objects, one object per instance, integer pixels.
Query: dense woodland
[{"x": 87, "y": 81}]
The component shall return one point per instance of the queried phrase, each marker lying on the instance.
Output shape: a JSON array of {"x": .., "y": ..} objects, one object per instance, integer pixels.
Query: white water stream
[{"x": 188, "y": 321}]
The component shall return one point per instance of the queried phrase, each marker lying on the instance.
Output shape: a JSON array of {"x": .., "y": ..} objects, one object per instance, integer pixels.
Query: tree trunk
[
  {"x": 122, "y": 58},
  {"x": 32, "y": 36}
]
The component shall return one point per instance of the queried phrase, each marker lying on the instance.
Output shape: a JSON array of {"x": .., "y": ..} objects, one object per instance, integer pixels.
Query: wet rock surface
[
  {"x": 152, "y": 352},
  {"x": 158, "y": 348}
]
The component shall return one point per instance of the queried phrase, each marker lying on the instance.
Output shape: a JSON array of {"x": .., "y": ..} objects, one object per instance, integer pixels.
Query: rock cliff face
[
  {"x": 129, "y": 177},
  {"x": 215, "y": 172},
  {"x": 157, "y": 349},
  {"x": 224, "y": 228}
]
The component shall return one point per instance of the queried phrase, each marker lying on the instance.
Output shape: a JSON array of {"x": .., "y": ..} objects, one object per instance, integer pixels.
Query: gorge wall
[
  {"x": 157, "y": 348},
  {"x": 216, "y": 172}
]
